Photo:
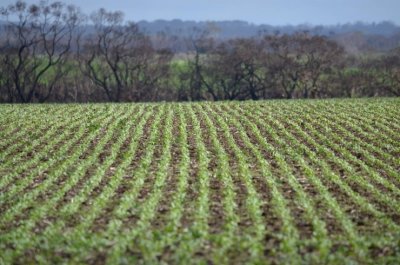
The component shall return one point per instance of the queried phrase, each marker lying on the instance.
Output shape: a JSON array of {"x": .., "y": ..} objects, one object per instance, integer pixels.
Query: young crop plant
[
  {"x": 253, "y": 202},
  {"x": 195, "y": 236},
  {"x": 320, "y": 239},
  {"x": 223, "y": 174},
  {"x": 63, "y": 141},
  {"x": 240, "y": 182}
]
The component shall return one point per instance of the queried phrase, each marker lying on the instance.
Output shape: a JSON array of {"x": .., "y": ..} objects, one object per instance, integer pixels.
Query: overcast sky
[{"x": 275, "y": 12}]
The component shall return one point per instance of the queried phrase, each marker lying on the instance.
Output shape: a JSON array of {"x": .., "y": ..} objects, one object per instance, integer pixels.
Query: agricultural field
[{"x": 268, "y": 182}]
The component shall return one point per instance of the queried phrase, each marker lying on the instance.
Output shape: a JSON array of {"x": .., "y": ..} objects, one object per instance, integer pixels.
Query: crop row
[{"x": 227, "y": 183}]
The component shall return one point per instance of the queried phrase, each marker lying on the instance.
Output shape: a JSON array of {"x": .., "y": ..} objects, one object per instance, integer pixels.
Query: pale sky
[{"x": 274, "y": 12}]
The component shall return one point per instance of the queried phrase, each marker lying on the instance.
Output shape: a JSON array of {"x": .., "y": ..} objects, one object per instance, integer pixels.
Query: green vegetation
[{"x": 264, "y": 182}]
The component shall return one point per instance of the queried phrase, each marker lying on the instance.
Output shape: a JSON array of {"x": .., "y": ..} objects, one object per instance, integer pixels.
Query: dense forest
[{"x": 52, "y": 52}]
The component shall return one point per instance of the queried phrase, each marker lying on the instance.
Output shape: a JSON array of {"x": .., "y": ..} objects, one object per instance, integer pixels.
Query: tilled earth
[{"x": 269, "y": 182}]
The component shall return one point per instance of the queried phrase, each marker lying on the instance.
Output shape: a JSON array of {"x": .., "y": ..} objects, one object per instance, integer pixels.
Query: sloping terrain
[{"x": 267, "y": 182}]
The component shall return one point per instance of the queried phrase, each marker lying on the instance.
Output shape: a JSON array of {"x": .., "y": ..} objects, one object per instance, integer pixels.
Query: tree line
[{"x": 52, "y": 52}]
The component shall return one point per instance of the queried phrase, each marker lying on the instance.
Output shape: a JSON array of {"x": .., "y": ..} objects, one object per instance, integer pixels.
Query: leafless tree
[
  {"x": 298, "y": 62},
  {"x": 118, "y": 58},
  {"x": 234, "y": 70},
  {"x": 285, "y": 70},
  {"x": 36, "y": 47},
  {"x": 198, "y": 45},
  {"x": 317, "y": 57},
  {"x": 386, "y": 72}
]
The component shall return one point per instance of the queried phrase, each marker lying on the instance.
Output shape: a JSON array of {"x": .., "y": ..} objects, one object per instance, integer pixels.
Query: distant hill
[
  {"x": 237, "y": 28},
  {"x": 243, "y": 29},
  {"x": 355, "y": 37}
]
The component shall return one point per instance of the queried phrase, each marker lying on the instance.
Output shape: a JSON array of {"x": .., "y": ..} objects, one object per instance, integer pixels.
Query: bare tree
[
  {"x": 37, "y": 43},
  {"x": 386, "y": 72},
  {"x": 118, "y": 58},
  {"x": 298, "y": 62},
  {"x": 285, "y": 70},
  {"x": 233, "y": 70},
  {"x": 317, "y": 57},
  {"x": 198, "y": 45}
]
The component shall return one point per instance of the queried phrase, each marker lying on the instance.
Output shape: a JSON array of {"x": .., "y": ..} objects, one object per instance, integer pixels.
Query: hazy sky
[{"x": 275, "y": 12}]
